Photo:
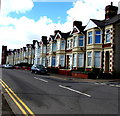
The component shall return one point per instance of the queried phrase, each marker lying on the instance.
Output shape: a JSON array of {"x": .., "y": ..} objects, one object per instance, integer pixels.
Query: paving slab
[{"x": 64, "y": 77}]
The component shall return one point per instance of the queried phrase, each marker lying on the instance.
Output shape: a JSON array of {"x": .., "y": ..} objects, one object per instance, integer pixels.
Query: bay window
[
  {"x": 81, "y": 60},
  {"x": 44, "y": 49},
  {"x": 38, "y": 60},
  {"x": 43, "y": 61},
  {"x": 58, "y": 45},
  {"x": 97, "y": 58},
  {"x": 75, "y": 41},
  {"x": 89, "y": 58},
  {"x": 97, "y": 36},
  {"x": 62, "y": 44},
  {"x": 62, "y": 60},
  {"x": 90, "y": 37},
  {"x": 74, "y": 59},
  {"x": 48, "y": 60},
  {"x": 54, "y": 47},
  {"x": 38, "y": 50},
  {"x": 81, "y": 40}
]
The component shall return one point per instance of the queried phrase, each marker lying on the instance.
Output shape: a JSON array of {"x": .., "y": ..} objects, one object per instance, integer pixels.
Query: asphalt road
[{"x": 45, "y": 95}]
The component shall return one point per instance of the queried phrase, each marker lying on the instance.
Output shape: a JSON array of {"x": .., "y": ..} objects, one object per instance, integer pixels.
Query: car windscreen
[{"x": 40, "y": 67}]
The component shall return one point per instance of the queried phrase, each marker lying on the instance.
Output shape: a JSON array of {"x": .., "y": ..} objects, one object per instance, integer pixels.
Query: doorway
[
  {"x": 107, "y": 61},
  {"x": 68, "y": 62}
]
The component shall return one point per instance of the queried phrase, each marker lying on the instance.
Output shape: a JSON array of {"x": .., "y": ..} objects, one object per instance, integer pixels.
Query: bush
[
  {"x": 53, "y": 70},
  {"x": 81, "y": 69}
]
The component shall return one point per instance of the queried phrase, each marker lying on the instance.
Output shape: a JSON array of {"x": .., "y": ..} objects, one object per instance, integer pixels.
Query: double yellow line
[{"x": 21, "y": 105}]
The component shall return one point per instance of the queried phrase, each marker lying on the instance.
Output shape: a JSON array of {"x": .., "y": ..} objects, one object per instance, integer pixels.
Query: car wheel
[
  {"x": 31, "y": 71},
  {"x": 36, "y": 72}
]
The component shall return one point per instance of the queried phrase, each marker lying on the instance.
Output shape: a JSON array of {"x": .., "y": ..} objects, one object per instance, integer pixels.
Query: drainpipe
[{"x": 84, "y": 50}]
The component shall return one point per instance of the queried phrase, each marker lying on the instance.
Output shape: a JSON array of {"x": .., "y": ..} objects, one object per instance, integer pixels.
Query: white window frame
[
  {"x": 54, "y": 47},
  {"x": 81, "y": 59},
  {"x": 97, "y": 35},
  {"x": 74, "y": 60},
  {"x": 75, "y": 41},
  {"x": 90, "y": 36},
  {"x": 62, "y": 60},
  {"x": 96, "y": 61},
  {"x": 68, "y": 44},
  {"x": 62, "y": 44},
  {"x": 107, "y": 36},
  {"x": 89, "y": 56},
  {"x": 43, "y": 61},
  {"x": 44, "y": 49},
  {"x": 82, "y": 40},
  {"x": 38, "y": 50}
]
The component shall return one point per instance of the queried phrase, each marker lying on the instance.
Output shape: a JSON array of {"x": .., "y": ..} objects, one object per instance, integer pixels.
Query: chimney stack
[
  {"x": 110, "y": 11},
  {"x": 111, "y": 3}
]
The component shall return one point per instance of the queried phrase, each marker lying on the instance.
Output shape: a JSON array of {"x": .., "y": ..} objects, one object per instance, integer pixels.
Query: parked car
[
  {"x": 38, "y": 69},
  {"x": 8, "y": 66},
  {"x": 3, "y": 66}
]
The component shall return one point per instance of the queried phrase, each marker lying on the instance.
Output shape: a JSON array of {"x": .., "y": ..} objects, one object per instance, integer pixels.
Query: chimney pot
[{"x": 111, "y": 3}]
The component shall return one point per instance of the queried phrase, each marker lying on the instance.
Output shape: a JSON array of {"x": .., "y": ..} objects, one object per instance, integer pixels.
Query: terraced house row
[{"x": 96, "y": 45}]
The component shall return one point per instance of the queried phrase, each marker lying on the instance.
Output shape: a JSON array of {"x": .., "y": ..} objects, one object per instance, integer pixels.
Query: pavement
[
  {"x": 4, "y": 107},
  {"x": 64, "y": 77}
]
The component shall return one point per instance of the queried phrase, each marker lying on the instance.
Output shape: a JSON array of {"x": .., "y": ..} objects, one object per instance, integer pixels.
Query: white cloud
[
  {"x": 24, "y": 30},
  {"x": 83, "y": 10},
  {"x": 18, "y": 6}
]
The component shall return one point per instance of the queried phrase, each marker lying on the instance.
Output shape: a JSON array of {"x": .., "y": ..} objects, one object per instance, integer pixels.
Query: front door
[
  {"x": 107, "y": 61},
  {"x": 68, "y": 61}
]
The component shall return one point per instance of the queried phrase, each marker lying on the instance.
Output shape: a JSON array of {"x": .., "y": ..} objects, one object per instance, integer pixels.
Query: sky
[{"x": 22, "y": 21}]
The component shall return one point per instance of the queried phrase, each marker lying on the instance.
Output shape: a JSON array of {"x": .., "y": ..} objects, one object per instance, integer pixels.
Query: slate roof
[
  {"x": 79, "y": 26},
  {"x": 99, "y": 23},
  {"x": 51, "y": 37},
  {"x": 113, "y": 20},
  {"x": 102, "y": 23},
  {"x": 64, "y": 35}
]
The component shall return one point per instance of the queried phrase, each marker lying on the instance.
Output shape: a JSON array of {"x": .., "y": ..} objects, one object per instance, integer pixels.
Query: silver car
[{"x": 8, "y": 66}]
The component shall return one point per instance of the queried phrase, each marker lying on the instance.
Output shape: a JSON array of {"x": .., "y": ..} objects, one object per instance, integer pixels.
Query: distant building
[{"x": 4, "y": 54}]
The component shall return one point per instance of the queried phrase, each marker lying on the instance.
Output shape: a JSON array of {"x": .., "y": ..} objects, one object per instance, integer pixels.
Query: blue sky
[{"x": 54, "y": 10}]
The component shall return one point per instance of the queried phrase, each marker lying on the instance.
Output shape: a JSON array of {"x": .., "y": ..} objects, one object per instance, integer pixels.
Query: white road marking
[
  {"x": 111, "y": 85},
  {"x": 41, "y": 79},
  {"x": 75, "y": 90},
  {"x": 35, "y": 77}
]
